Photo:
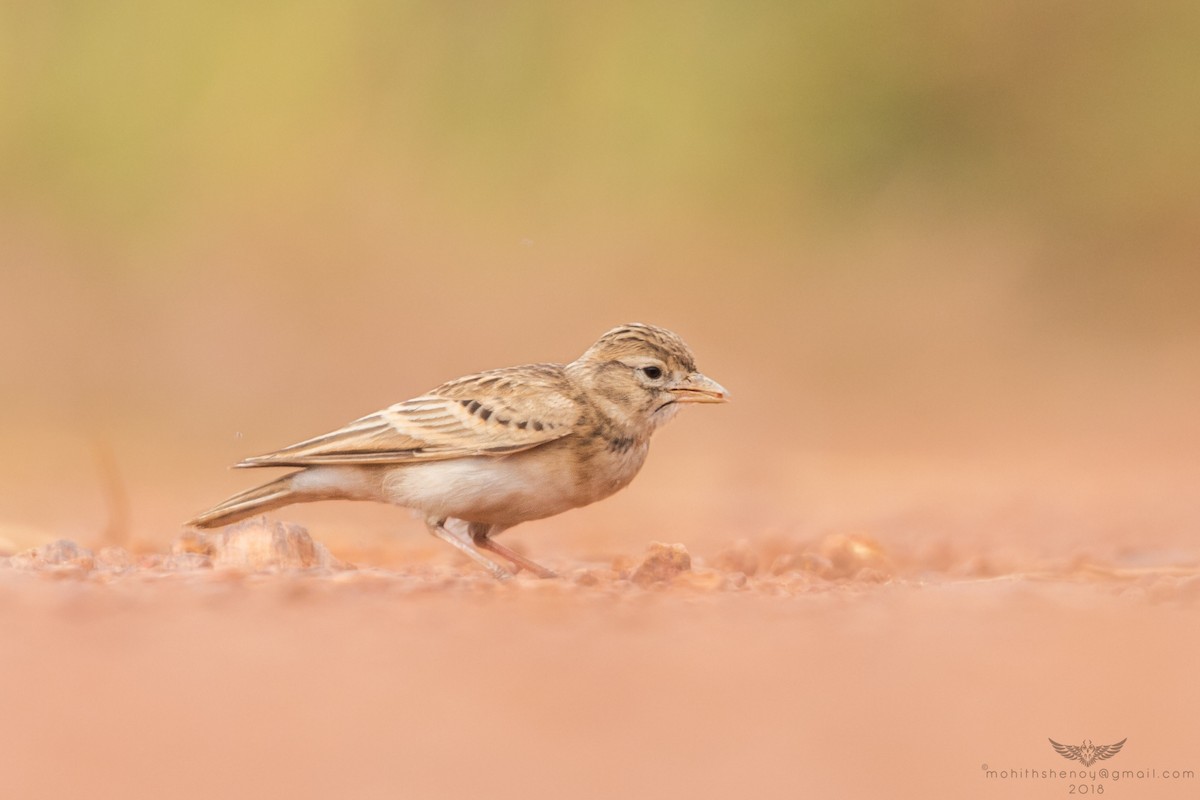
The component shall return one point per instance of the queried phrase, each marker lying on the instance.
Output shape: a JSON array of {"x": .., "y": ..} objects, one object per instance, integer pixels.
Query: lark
[{"x": 485, "y": 452}]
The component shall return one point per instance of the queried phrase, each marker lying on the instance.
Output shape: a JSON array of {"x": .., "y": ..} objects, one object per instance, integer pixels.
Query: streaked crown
[{"x": 637, "y": 339}]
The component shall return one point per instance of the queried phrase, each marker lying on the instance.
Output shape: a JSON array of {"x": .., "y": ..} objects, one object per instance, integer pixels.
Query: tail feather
[{"x": 279, "y": 492}]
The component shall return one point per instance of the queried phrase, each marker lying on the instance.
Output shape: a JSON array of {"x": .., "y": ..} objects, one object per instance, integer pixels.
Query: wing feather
[
  {"x": 492, "y": 413},
  {"x": 1109, "y": 750}
]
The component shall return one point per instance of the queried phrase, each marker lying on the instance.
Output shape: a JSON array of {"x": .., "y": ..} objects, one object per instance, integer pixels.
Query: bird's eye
[{"x": 653, "y": 373}]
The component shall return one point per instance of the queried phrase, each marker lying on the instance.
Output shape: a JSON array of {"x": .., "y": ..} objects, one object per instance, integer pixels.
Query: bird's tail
[{"x": 279, "y": 492}]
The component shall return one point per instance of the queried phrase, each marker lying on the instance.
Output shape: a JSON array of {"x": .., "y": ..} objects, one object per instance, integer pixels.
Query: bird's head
[{"x": 641, "y": 374}]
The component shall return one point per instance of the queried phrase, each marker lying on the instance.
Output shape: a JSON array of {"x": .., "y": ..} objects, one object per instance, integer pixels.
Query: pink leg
[
  {"x": 481, "y": 535},
  {"x": 438, "y": 528}
]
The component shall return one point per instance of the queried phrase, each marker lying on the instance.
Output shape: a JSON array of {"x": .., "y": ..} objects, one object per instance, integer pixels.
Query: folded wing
[{"x": 490, "y": 414}]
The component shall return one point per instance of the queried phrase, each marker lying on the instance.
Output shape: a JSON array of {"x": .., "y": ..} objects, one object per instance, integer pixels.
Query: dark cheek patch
[{"x": 620, "y": 444}]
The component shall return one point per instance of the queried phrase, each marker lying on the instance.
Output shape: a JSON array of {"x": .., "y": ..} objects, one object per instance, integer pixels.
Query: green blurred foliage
[{"x": 1080, "y": 114}]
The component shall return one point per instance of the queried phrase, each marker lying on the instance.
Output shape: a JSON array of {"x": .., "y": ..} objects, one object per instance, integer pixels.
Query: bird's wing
[
  {"x": 1109, "y": 750},
  {"x": 1066, "y": 750},
  {"x": 493, "y": 413}
]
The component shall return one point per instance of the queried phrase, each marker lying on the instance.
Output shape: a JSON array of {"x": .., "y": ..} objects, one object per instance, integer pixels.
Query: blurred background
[{"x": 944, "y": 255}]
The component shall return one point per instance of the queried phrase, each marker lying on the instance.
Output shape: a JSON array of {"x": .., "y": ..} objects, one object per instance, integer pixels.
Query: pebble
[
  {"x": 662, "y": 563},
  {"x": 738, "y": 557},
  {"x": 255, "y": 545},
  {"x": 851, "y": 556}
]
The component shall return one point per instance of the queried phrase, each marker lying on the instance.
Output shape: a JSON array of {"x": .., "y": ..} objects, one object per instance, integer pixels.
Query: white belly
[
  {"x": 499, "y": 491},
  {"x": 507, "y": 490}
]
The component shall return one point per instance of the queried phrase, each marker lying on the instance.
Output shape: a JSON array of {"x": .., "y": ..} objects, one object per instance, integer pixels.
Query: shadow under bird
[{"x": 482, "y": 453}]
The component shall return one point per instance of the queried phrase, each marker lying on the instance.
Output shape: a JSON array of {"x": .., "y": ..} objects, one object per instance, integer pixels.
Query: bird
[
  {"x": 482, "y": 453},
  {"x": 1088, "y": 753}
]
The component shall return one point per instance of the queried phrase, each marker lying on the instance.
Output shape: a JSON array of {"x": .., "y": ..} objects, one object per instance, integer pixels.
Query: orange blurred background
[{"x": 898, "y": 235}]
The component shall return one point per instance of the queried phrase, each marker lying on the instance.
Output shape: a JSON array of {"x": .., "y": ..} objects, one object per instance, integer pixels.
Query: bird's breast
[{"x": 607, "y": 465}]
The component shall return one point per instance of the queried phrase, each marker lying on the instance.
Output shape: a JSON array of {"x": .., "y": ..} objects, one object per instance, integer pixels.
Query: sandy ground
[
  {"x": 774, "y": 667},
  {"x": 911, "y": 556}
]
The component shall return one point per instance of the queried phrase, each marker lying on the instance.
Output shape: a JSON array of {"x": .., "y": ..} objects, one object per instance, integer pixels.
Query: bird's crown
[{"x": 639, "y": 339}]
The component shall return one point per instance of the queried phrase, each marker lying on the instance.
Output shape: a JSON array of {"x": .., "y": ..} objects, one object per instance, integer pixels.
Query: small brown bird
[{"x": 498, "y": 448}]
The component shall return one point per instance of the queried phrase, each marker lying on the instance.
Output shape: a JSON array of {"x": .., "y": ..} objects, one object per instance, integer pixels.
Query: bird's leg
[
  {"x": 481, "y": 535},
  {"x": 438, "y": 528}
]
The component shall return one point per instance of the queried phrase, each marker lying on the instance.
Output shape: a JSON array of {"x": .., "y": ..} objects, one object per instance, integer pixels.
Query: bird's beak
[{"x": 697, "y": 388}]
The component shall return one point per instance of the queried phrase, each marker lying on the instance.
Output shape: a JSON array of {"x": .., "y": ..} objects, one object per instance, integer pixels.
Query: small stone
[
  {"x": 784, "y": 562},
  {"x": 585, "y": 577},
  {"x": 738, "y": 557},
  {"x": 191, "y": 541},
  {"x": 849, "y": 555},
  {"x": 662, "y": 562},
  {"x": 257, "y": 544},
  {"x": 149, "y": 561},
  {"x": 114, "y": 558}
]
